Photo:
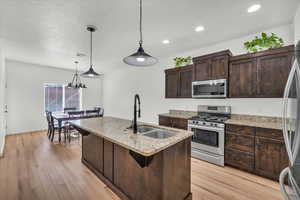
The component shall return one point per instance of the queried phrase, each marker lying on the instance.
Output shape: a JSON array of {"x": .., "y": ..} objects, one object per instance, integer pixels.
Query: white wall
[
  {"x": 297, "y": 24},
  {"x": 2, "y": 98},
  {"x": 121, "y": 85},
  {"x": 25, "y": 94}
]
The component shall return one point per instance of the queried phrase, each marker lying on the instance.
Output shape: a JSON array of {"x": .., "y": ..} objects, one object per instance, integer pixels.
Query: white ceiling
[{"x": 51, "y": 32}]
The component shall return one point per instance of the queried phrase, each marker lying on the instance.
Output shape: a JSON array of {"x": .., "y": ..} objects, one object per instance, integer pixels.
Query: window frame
[{"x": 63, "y": 96}]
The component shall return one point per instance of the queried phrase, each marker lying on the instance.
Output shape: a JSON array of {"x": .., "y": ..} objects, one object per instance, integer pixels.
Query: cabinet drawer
[
  {"x": 239, "y": 159},
  {"x": 241, "y": 130},
  {"x": 269, "y": 133},
  {"x": 240, "y": 142}
]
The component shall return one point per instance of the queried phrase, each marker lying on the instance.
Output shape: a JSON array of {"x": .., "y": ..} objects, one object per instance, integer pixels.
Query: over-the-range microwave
[{"x": 209, "y": 89}]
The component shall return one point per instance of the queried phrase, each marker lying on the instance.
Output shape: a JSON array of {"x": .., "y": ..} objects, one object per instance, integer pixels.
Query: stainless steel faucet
[{"x": 136, "y": 98}]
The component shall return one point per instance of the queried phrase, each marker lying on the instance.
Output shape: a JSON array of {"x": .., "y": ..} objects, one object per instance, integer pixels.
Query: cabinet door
[
  {"x": 219, "y": 67},
  {"x": 273, "y": 72},
  {"x": 180, "y": 123},
  {"x": 185, "y": 82},
  {"x": 240, "y": 159},
  {"x": 270, "y": 157},
  {"x": 172, "y": 83},
  {"x": 240, "y": 142},
  {"x": 243, "y": 79},
  {"x": 92, "y": 151},
  {"x": 165, "y": 121},
  {"x": 202, "y": 70}
]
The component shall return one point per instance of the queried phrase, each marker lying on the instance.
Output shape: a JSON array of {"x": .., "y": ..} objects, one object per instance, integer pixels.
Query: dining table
[{"x": 64, "y": 117}]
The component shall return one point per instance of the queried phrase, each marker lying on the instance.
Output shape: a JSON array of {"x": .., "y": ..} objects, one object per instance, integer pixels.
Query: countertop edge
[{"x": 134, "y": 149}]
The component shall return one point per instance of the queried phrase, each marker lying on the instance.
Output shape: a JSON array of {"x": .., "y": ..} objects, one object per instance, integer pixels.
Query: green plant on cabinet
[
  {"x": 264, "y": 42},
  {"x": 179, "y": 61}
]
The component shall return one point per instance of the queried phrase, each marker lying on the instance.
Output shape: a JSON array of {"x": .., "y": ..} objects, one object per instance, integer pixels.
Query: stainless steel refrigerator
[{"x": 291, "y": 132}]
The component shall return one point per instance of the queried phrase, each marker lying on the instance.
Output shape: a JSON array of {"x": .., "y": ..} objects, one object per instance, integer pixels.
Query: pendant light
[
  {"x": 76, "y": 81},
  {"x": 140, "y": 58},
  {"x": 91, "y": 72}
]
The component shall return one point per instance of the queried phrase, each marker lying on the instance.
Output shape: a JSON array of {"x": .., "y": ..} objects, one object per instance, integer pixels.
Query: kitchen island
[{"x": 136, "y": 166}]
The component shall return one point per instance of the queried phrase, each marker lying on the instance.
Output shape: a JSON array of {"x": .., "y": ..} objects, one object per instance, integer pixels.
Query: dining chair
[
  {"x": 100, "y": 111},
  {"x": 66, "y": 110},
  {"x": 55, "y": 128},
  {"x": 92, "y": 112},
  {"x": 70, "y": 129},
  {"x": 48, "y": 117}
]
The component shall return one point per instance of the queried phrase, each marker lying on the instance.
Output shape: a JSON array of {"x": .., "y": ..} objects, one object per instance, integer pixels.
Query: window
[{"x": 59, "y": 96}]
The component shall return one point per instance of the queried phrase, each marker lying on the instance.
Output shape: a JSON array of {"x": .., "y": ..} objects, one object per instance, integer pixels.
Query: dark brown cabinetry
[
  {"x": 270, "y": 153},
  {"x": 260, "y": 75},
  {"x": 257, "y": 150},
  {"x": 173, "y": 122},
  {"x": 211, "y": 66},
  {"x": 179, "y": 82}
]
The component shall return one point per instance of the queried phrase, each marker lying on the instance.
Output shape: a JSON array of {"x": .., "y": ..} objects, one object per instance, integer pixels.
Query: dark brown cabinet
[
  {"x": 172, "y": 82},
  {"x": 173, "y": 122},
  {"x": 272, "y": 74},
  {"x": 211, "y": 66},
  {"x": 179, "y": 82},
  {"x": 260, "y": 75},
  {"x": 202, "y": 70},
  {"x": 242, "y": 82},
  {"x": 257, "y": 150},
  {"x": 93, "y": 153}
]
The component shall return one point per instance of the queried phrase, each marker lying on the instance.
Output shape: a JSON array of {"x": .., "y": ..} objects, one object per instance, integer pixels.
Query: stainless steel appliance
[
  {"x": 291, "y": 132},
  {"x": 209, "y": 89},
  {"x": 209, "y": 133}
]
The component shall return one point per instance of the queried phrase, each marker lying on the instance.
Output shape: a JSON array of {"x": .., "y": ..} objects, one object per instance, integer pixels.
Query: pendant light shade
[
  {"x": 140, "y": 58},
  {"x": 91, "y": 72}
]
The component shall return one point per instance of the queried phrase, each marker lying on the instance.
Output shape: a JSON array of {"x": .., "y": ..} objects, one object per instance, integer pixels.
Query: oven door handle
[{"x": 206, "y": 128}]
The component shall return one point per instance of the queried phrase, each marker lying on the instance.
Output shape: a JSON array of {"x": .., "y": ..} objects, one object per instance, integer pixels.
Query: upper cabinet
[
  {"x": 260, "y": 75},
  {"x": 211, "y": 66},
  {"x": 179, "y": 82}
]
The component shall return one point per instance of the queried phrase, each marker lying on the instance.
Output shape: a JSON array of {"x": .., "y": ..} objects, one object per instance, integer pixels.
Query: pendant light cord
[
  {"x": 91, "y": 49},
  {"x": 141, "y": 15}
]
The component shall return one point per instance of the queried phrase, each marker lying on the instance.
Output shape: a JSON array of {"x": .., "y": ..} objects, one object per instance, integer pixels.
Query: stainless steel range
[{"x": 209, "y": 133}]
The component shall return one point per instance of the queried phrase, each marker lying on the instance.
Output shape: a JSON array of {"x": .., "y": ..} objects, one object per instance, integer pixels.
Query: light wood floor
[{"x": 35, "y": 169}]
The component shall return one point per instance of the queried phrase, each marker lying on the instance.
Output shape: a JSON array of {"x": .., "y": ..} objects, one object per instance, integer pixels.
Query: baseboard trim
[
  {"x": 27, "y": 132},
  {"x": 3, "y": 147}
]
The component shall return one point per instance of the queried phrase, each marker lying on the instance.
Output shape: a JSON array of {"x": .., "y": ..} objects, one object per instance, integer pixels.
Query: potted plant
[
  {"x": 264, "y": 42},
  {"x": 179, "y": 61}
]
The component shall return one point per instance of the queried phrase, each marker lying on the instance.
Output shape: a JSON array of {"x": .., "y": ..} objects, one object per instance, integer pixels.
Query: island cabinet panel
[
  {"x": 92, "y": 151},
  {"x": 173, "y": 122},
  {"x": 108, "y": 159},
  {"x": 160, "y": 180}
]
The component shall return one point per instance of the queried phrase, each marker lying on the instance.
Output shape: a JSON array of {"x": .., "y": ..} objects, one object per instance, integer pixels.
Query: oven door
[
  {"x": 209, "y": 139},
  {"x": 209, "y": 89}
]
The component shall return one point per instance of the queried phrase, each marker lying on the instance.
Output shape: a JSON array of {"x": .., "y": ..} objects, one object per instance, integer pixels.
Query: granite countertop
[
  {"x": 179, "y": 114},
  {"x": 255, "y": 121},
  {"x": 115, "y": 130}
]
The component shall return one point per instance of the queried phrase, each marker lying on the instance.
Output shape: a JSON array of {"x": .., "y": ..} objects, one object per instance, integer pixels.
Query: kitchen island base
[{"x": 167, "y": 176}]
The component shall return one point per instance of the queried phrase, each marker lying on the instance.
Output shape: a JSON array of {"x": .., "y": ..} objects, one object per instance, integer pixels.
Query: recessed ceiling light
[
  {"x": 254, "y": 8},
  {"x": 199, "y": 28},
  {"x": 166, "y": 41}
]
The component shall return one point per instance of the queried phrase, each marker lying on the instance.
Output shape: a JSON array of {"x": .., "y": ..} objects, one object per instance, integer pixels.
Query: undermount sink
[
  {"x": 143, "y": 129},
  {"x": 159, "y": 134},
  {"x": 154, "y": 132}
]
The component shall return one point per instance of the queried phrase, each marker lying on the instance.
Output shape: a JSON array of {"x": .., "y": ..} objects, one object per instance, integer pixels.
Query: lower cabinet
[
  {"x": 173, "y": 122},
  {"x": 256, "y": 150}
]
